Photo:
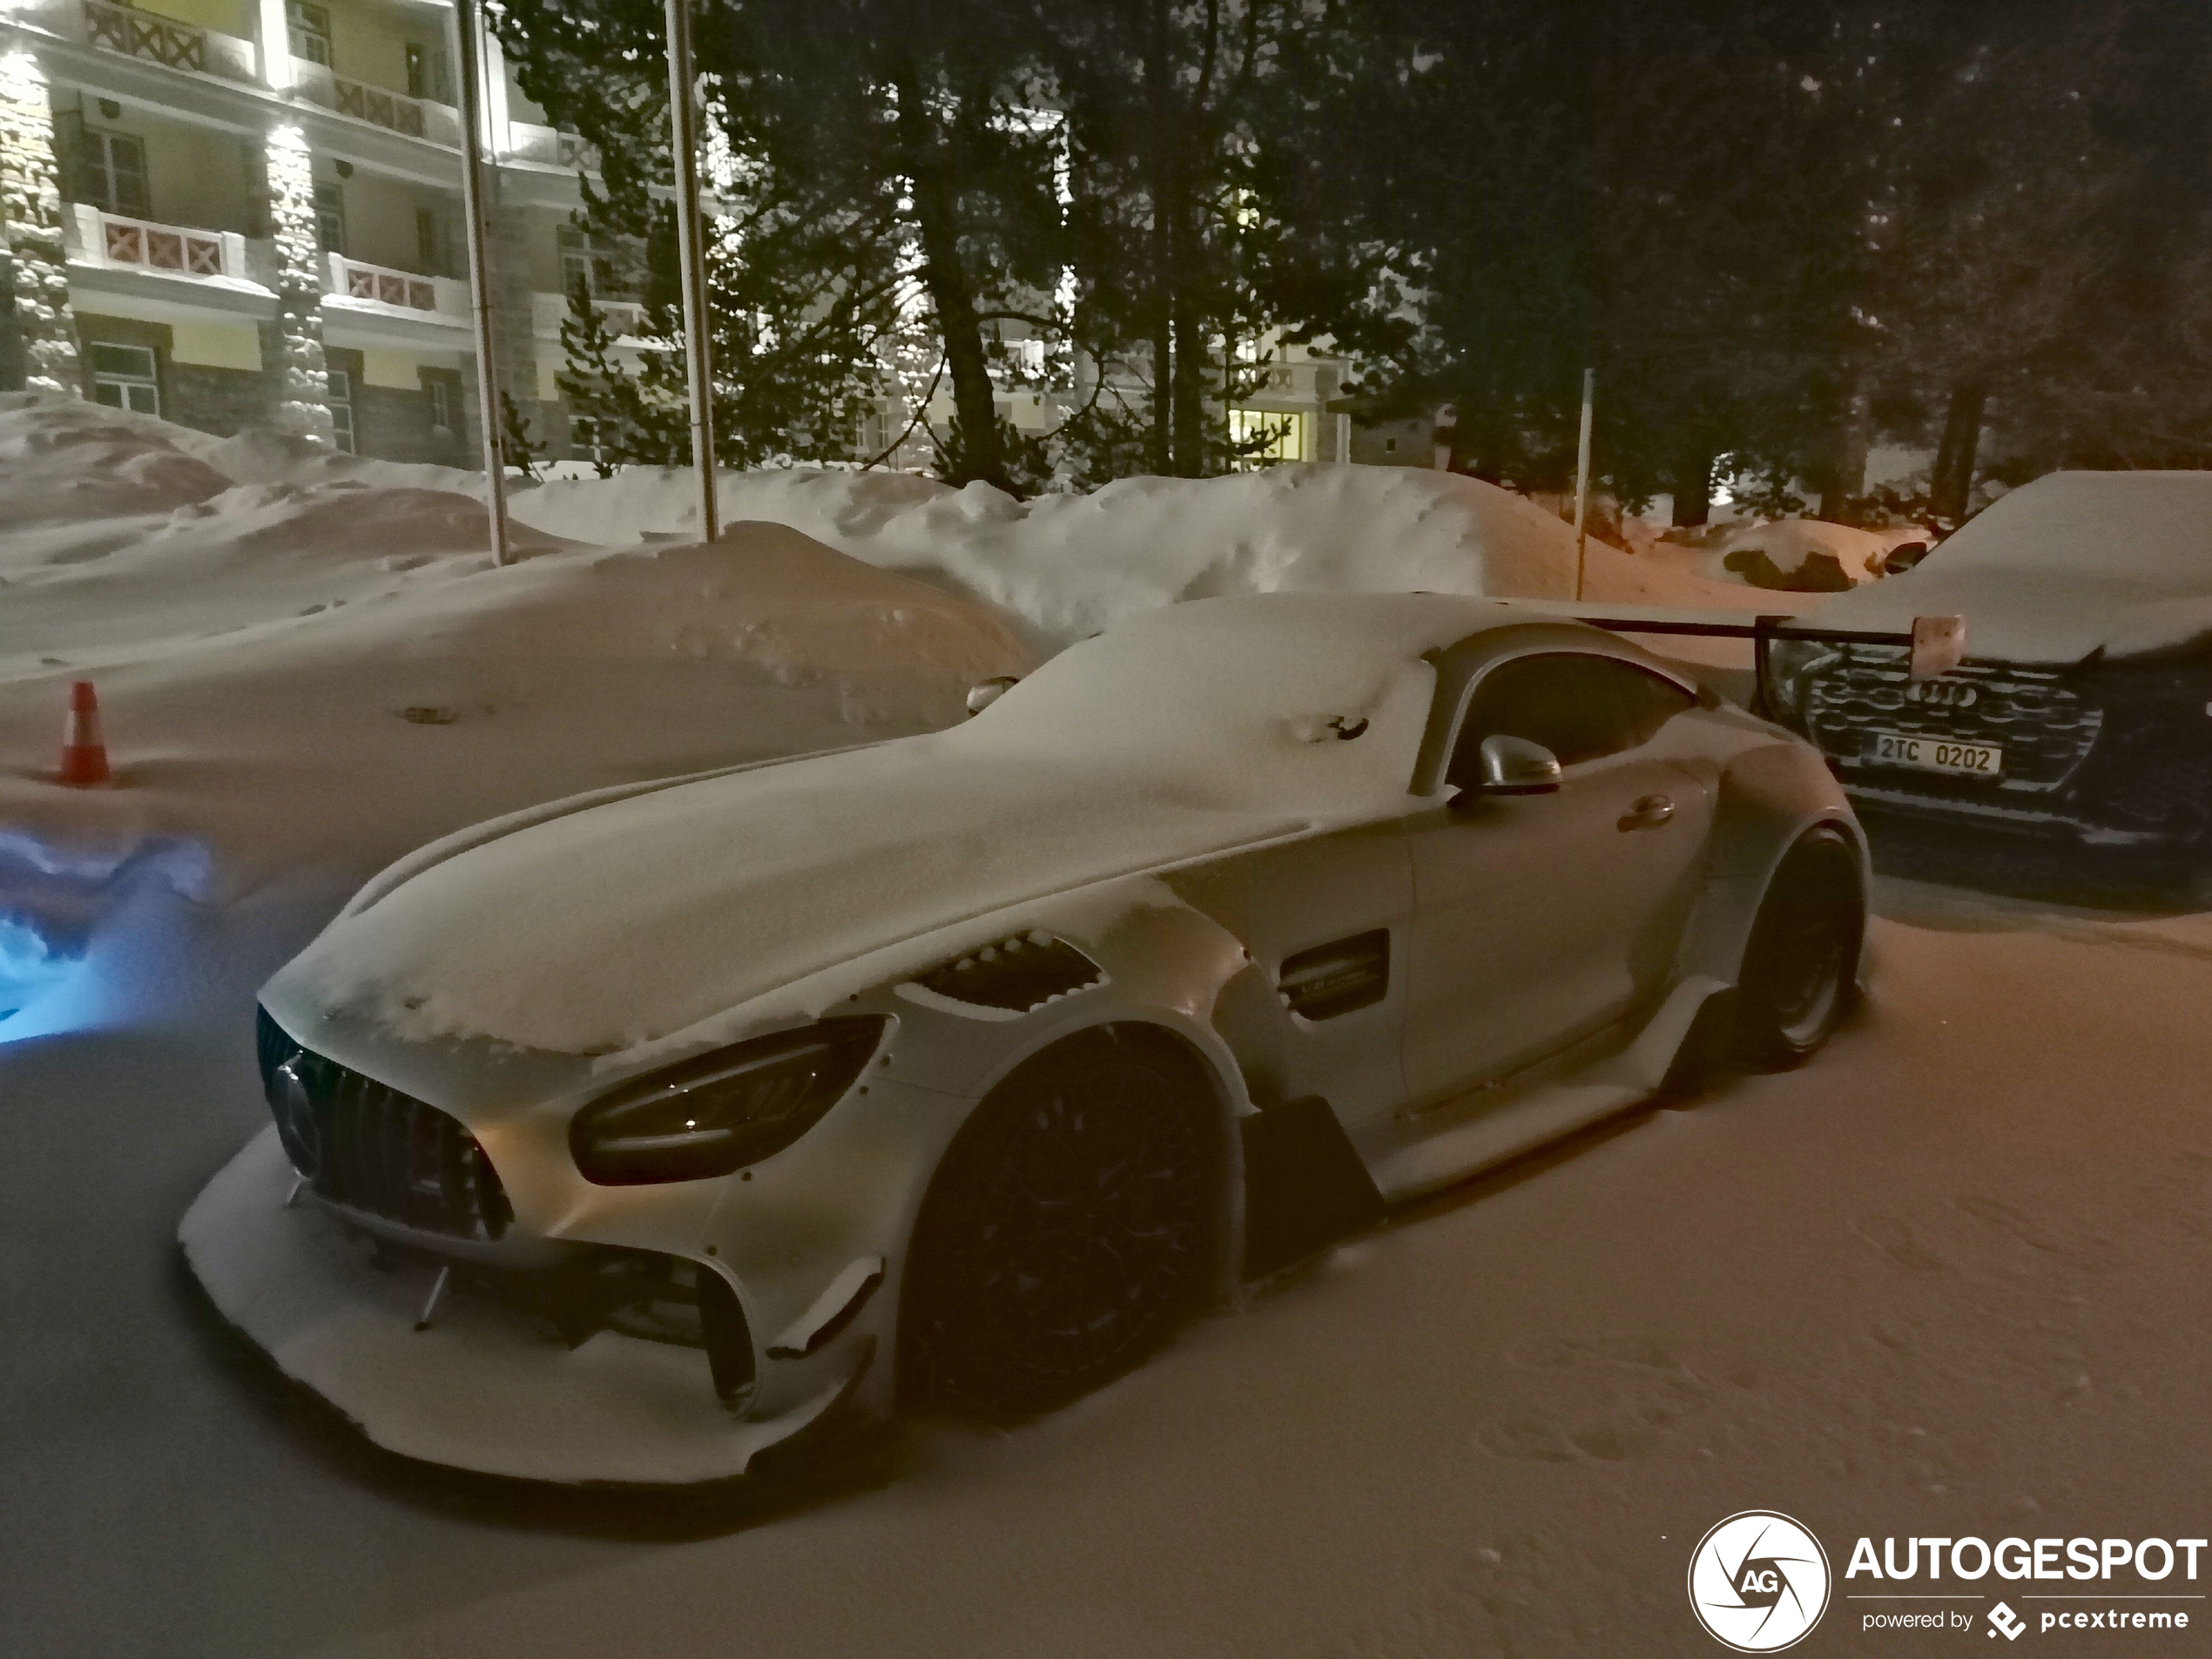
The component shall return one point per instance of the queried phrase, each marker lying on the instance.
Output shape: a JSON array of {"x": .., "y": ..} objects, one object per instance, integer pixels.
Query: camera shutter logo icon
[{"x": 1758, "y": 1582}]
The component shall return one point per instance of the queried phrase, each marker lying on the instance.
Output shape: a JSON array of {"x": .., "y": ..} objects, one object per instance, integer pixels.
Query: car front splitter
[{"x": 482, "y": 1387}]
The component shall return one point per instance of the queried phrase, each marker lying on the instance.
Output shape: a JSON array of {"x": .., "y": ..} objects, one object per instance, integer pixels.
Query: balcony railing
[
  {"x": 550, "y": 311},
  {"x": 164, "y": 40},
  {"x": 440, "y": 297},
  {"x": 550, "y": 147},
  {"x": 413, "y": 117},
  {"x": 111, "y": 240}
]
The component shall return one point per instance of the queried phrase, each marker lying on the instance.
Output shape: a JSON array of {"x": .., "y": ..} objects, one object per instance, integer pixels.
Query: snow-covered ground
[{"x": 1947, "y": 1280}]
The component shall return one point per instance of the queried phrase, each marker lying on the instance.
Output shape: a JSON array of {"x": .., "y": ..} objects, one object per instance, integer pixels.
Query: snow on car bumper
[{"x": 482, "y": 1387}]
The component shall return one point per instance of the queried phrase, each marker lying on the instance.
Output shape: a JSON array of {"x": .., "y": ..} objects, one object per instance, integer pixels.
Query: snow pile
[
  {"x": 417, "y": 690},
  {"x": 2071, "y": 563},
  {"x": 1803, "y": 554},
  {"x": 1067, "y": 566}
]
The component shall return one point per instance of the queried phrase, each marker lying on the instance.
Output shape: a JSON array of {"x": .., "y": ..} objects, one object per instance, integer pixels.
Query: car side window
[
  {"x": 1578, "y": 705},
  {"x": 1649, "y": 701}
]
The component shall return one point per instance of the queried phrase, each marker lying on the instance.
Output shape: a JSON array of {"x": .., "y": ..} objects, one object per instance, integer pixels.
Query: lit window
[
  {"x": 1265, "y": 436},
  {"x": 124, "y": 378}
]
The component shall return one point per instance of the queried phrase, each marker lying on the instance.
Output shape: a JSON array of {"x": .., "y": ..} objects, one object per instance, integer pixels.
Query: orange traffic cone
[{"x": 84, "y": 753}]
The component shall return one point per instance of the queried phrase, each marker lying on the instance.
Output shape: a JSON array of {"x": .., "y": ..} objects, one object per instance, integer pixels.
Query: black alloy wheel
[
  {"x": 1072, "y": 1225},
  {"x": 1801, "y": 965}
]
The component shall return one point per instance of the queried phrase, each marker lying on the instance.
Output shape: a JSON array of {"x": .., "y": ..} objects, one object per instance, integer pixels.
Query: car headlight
[
  {"x": 721, "y": 1111},
  {"x": 1791, "y": 666}
]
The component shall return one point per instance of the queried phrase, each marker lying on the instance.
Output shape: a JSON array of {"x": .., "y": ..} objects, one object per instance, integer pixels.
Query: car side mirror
[
  {"x": 1903, "y": 557},
  {"x": 983, "y": 693},
  {"x": 1516, "y": 767}
]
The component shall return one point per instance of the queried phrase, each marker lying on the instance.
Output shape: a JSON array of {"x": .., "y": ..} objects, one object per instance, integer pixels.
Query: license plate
[{"x": 1935, "y": 754}]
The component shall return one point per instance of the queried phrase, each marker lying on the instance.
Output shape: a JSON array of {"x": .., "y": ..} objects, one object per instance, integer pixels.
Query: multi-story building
[
  {"x": 243, "y": 212},
  {"x": 239, "y": 213}
]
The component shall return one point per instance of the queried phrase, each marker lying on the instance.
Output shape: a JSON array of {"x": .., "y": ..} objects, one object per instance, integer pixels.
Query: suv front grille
[
  {"x": 367, "y": 1146},
  {"x": 2045, "y": 727}
]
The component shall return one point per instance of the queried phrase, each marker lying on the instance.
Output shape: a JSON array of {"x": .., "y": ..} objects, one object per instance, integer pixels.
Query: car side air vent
[
  {"x": 1020, "y": 975},
  {"x": 1336, "y": 978}
]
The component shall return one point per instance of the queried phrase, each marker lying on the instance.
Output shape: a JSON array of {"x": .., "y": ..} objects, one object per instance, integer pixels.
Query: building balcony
[
  {"x": 112, "y": 242},
  {"x": 166, "y": 42},
  {"x": 433, "y": 299},
  {"x": 412, "y": 117},
  {"x": 549, "y": 147},
  {"x": 550, "y": 311}
]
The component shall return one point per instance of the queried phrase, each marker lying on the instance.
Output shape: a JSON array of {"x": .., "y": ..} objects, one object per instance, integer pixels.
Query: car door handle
[{"x": 1649, "y": 813}]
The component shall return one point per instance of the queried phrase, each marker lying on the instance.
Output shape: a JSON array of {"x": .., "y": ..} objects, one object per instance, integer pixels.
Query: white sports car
[{"x": 623, "y": 1138}]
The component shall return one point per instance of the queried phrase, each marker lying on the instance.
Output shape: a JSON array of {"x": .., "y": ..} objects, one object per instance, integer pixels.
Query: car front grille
[
  {"x": 2045, "y": 727},
  {"x": 367, "y": 1146}
]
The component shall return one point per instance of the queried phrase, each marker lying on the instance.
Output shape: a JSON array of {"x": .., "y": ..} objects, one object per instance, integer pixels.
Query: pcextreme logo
[{"x": 1758, "y": 1582}]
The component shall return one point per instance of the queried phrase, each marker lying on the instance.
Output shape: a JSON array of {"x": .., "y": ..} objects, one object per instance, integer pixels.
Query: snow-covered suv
[{"x": 2086, "y": 706}]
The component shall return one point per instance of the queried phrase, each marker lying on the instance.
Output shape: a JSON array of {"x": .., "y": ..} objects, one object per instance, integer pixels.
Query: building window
[
  {"x": 330, "y": 218},
  {"x": 429, "y": 241},
  {"x": 440, "y": 394},
  {"x": 112, "y": 173},
  {"x": 342, "y": 409},
  {"x": 310, "y": 28},
  {"x": 425, "y": 74},
  {"x": 1268, "y": 435},
  {"x": 124, "y": 378},
  {"x": 599, "y": 265}
]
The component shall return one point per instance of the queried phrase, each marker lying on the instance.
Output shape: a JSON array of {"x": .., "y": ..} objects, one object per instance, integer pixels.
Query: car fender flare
[
  {"x": 1167, "y": 965},
  {"x": 1769, "y": 797}
]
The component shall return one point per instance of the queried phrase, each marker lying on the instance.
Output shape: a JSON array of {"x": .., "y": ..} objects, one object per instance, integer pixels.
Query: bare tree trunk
[
  {"x": 1844, "y": 488},
  {"x": 975, "y": 451},
  {"x": 1694, "y": 488},
  {"x": 1951, "y": 488}
]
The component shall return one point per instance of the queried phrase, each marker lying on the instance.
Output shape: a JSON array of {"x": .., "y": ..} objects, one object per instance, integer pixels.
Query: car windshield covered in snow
[
  {"x": 2152, "y": 525},
  {"x": 1271, "y": 700}
]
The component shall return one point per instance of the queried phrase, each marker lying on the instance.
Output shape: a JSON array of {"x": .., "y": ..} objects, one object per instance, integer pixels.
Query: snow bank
[
  {"x": 1066, "y": 566},
  {"x": 421, "y": 690},
  {"x": 1803, "y": 554}
]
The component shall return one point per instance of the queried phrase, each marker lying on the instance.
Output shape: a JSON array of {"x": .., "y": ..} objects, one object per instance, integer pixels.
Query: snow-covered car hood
[
  {"x": 2074, "y": 563},
  {"x": 2034, "y": 616},
  {"x": 1213, "y": 725}
]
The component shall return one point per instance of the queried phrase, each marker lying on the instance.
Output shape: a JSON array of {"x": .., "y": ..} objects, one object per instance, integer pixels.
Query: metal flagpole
[
  {"x": 472, "y": 208},
  {"x": 684, "y": 122},
  {"x": 1583, "y": 478}
]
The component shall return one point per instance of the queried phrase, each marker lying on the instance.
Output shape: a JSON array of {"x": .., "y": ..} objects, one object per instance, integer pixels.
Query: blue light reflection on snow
[
  {"x": 84, "y": 939},
  {"x": 41, "y": 985}
]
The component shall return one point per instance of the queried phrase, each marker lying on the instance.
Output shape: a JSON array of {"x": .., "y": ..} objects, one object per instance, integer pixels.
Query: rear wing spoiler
[{"x": 1936, "y": 645}]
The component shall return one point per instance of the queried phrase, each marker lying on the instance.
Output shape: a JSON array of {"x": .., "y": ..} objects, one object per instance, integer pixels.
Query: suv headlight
[{"x": 718, "y": 1112}]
